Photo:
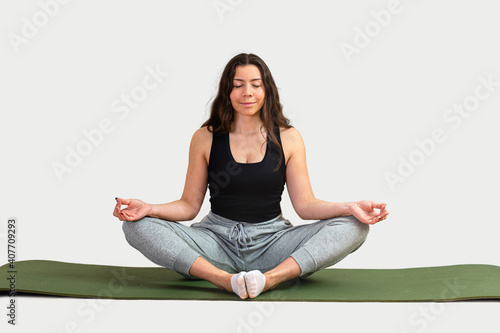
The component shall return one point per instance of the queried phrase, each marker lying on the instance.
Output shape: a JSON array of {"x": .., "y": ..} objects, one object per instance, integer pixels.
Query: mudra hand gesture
[
  {"x": 135, "y": 210},
  {"x": 365, "y": 211}
]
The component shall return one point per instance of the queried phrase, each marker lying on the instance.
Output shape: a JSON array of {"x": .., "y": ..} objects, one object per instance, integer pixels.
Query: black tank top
[{"x": 246, "y": 192}]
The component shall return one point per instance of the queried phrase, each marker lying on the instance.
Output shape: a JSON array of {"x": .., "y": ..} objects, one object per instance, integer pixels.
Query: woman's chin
[{"x": 249, "y": 112}]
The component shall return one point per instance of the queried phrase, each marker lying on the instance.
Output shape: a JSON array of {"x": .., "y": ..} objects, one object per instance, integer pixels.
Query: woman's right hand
[{"x": 135, "y": 210}]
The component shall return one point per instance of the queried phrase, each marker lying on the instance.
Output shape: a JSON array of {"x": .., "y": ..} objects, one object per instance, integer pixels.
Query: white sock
[
  {"x": 255, "y": 282},
  {"x": 238, "y": 285}
]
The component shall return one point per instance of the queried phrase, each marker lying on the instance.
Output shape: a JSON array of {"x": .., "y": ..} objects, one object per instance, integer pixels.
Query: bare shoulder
[
  {"x": 202, "y": 134},
  {"x": 292, "y": 141},
  {"x": 291, "y": 137},
  {"x": 201, "y": 142}
]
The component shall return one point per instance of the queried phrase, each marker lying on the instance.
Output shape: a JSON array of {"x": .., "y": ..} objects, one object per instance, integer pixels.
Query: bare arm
[
  {"x": 188, "y": 206},
  {"x": 306, "y": 205}
]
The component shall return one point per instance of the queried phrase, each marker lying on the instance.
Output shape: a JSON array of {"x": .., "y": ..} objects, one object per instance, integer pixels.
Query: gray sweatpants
[{"x": 240, "y": 246}]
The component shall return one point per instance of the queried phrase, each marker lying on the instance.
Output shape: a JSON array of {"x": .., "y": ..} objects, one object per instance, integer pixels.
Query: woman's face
[{"x": 247, "y": 96}]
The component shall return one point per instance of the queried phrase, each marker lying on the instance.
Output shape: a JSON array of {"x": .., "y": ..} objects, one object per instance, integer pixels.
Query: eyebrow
[{"x": 256, "y": 79}]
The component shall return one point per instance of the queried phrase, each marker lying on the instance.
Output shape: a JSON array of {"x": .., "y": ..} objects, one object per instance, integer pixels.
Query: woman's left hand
[{"x": 365, "y": 211}]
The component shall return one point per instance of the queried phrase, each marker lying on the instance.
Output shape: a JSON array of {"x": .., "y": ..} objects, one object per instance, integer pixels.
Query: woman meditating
[{"x": 245, "y": 153}]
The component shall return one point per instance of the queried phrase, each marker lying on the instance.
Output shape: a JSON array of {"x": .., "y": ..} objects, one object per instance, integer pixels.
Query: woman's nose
[{"x": 248, "y": 91}]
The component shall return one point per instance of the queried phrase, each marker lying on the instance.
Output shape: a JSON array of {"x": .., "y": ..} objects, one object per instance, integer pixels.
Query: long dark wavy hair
[{"x": 271, "y": 114}]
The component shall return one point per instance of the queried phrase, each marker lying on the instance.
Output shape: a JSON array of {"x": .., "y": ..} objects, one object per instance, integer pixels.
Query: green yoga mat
[{"x": 443, "y": 283}]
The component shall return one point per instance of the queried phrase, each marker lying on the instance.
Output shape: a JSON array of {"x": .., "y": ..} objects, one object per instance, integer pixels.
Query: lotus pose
[{"x": 245, "y": 153}]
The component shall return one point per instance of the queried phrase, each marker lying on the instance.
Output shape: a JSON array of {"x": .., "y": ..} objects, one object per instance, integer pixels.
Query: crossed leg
[{"x": 308, "y": 247}]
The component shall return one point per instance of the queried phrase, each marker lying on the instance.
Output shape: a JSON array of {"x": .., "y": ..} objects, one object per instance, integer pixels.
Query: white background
[{"x": 358, "y": 115}]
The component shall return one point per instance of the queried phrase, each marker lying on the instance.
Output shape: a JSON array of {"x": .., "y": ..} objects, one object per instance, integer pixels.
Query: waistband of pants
[
  {"x": 229, "y": 223},
  {"x": 240, "y": 233}
]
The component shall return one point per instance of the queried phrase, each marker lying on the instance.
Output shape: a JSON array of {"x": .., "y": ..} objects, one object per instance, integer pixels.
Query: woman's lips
[{"x": 248, "y": 104}]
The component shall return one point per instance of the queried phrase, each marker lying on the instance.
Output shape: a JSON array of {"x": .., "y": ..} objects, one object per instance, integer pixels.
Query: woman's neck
[{"x": 246, "y": 125}]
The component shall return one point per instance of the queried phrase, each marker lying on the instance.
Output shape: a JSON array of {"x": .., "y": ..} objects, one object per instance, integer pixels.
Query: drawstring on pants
[{"x": 240, "y": 236}]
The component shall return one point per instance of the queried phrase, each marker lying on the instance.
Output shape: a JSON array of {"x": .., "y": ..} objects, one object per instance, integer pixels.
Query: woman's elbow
[
  {"x": 192, "y": 211},
  {"x": 187, "y": 209},
  {"x": 302, "y": 211}
]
